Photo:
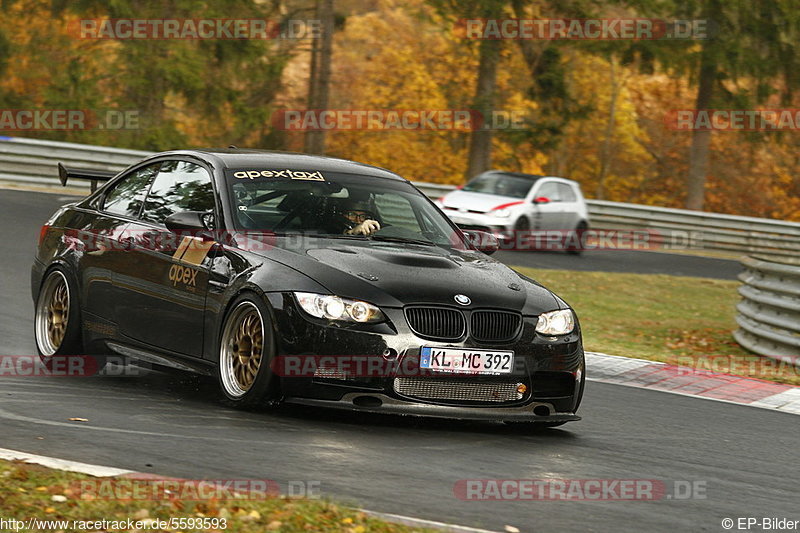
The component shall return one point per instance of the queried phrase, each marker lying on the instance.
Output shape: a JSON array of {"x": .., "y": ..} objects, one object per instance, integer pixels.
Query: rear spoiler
[{"x": 66, "y": 173}]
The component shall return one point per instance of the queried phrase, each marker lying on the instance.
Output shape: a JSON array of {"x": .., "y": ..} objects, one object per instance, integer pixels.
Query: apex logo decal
[
  {"x": 291, "y": 174},
  {"x": 182, "y": 274},
  {"x": 191, "y": 251}
]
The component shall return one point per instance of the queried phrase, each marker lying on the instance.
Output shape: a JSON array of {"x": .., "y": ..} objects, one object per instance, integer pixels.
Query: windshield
[
  {"x": 308, "y": 202},
  {"x": 501, "y": 185}
]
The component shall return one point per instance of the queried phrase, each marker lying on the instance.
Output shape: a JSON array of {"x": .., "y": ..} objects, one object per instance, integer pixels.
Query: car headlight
[
  {"x": 500, "y": 213},
  {"x": 336, "y": 308},
  {"x": 558, "y": 322}
]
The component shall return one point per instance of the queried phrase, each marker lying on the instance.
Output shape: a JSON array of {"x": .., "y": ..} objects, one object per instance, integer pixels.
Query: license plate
[{"x": 466, "y": 361}]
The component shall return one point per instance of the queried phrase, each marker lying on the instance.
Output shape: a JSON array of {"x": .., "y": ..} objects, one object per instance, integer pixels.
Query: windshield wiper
[
  {"x": 406, "y": 240},
  {"x": 341, "y": 236}
]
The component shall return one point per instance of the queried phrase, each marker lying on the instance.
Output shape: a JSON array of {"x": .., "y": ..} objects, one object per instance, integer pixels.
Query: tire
[
  {"x": 582, "y": 226},
  {"x": 246, "y": 351},
  {"x": 521, "y": 225},
  {"x": 57, "y": 318}
]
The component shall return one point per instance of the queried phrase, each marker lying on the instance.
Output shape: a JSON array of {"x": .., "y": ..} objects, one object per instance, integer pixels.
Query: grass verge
[
  {"x": 674, "y": 319},
  {"x": 34, "y": 492}
]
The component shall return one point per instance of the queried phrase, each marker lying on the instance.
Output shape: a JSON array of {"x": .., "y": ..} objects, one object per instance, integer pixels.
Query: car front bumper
[{"x": 552, "y": 370}]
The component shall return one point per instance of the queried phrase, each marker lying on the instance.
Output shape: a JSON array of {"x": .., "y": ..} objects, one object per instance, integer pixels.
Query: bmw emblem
[{"x": 462, "y": 299}]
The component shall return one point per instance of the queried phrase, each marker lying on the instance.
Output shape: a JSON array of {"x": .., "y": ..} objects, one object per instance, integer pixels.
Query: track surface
[{"x": 172, "y": 424}]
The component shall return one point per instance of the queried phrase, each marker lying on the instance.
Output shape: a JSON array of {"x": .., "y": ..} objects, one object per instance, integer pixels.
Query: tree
[
  {"x": 320, "y": 73},
  {"x": 479, "y": 158},
  {"x": 748, "y": 41}
]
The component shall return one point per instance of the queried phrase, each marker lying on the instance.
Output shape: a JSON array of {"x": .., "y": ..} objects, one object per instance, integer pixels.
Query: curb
[{"x": 687, "y": 381}]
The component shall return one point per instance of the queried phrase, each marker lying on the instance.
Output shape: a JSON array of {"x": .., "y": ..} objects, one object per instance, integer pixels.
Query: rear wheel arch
[{"x": 58, "y": 273}]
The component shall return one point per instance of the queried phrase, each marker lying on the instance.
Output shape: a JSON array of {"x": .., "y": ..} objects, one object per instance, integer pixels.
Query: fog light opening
[
  {"x": 390, "y": 354},
  {"x": 367, "y": 401},
  {"x": 541, "y": 410}
]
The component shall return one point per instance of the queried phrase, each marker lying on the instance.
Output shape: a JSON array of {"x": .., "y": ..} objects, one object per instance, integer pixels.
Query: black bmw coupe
[{"x": 302, "y": 279}]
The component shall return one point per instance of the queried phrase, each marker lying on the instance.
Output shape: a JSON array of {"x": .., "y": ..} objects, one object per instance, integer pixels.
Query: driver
[{"x": 360, "y": 218}]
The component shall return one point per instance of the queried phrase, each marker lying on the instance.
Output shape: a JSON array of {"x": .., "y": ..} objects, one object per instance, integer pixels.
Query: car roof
[
  {"x": 531, "y": 177},
  {"x": 243, "y": 158}
]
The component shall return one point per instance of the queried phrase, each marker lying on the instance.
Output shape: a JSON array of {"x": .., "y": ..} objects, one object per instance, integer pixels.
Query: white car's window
[
  {"x": 549, "y": 190},
  {"x": 566, "y": 192}
]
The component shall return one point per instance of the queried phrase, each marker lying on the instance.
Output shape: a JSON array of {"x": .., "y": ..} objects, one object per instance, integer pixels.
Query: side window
[
  {"x": 567, "y": 194},
  {"x": 126, "y": 197},
  {"x": 179, "y": 186},
  {"x": 395, "y": 210},
  {"x": 549, "y": 189}
]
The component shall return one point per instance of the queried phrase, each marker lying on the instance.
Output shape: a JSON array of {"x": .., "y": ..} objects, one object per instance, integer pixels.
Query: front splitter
[{"x": 380, "y": 403}]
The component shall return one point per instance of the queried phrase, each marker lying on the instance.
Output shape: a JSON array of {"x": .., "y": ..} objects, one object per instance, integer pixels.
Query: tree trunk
[
  {"x": 701, "y": 141},
  {"x": 605, "y": 152},
  {"x": 320, "y": 76},
  {"x": 480, "y": 146},
  {"x": 701, "y": 138}
]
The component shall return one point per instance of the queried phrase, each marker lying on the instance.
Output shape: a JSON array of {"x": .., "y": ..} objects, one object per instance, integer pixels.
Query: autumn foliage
[{"x": 392, "y": 54}]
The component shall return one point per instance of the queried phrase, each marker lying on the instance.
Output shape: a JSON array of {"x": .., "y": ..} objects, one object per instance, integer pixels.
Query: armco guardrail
[
  {"x": 769, "y": 312},
  {"x": 34, "y": 161},
  {"x": 705, "y": 230},
  {"x": 695, "y": 229}
]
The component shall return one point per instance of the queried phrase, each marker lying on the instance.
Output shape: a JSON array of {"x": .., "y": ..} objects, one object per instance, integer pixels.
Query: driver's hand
[{"x": 368, "y": 227}]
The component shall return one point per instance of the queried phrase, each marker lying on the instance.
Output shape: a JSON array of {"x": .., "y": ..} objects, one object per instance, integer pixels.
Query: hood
[
  {"x": 393, "y": 274},
  {"x": 477, "y": 201}
]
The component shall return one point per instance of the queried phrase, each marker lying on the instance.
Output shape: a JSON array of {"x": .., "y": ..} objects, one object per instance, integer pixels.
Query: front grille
[
  {"x": 457, "y": 389},
  {"x": 494, "y": 326},
  {"x": 436, "y": 322},
  {"x": 330, "y": 372}
]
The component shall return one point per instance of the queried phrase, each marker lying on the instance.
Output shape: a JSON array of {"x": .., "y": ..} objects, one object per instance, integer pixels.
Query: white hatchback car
[{"x": 497, "y": 201}]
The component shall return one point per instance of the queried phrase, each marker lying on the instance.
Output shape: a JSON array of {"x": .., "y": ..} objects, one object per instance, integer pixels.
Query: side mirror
[
  {"x": 483, "y": 241},
  {"x": 541, "y": 200},
  {"x": 191, "y": 221}
]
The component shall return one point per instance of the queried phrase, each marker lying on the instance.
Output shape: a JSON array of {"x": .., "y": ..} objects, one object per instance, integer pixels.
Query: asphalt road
[{"x": 744, "y": 458}]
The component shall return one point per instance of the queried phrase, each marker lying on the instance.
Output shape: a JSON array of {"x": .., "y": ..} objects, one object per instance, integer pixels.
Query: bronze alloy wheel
[
  {"x": 242, "y": 349},
  {"x": 52, "y": 313}
]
